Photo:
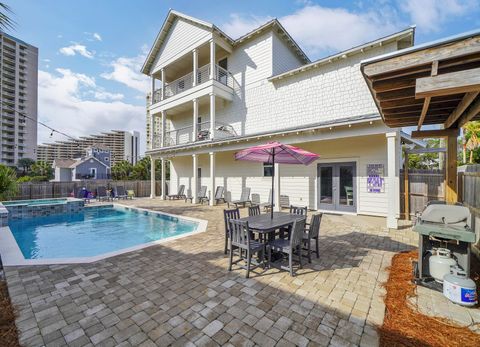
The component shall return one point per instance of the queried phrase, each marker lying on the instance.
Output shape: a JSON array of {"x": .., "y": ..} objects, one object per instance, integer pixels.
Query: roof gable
[{"x": 84, "y": 160}]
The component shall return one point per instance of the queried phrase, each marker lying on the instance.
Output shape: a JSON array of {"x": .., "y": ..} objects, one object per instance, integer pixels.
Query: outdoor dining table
[{"x": 264, "y": 224}]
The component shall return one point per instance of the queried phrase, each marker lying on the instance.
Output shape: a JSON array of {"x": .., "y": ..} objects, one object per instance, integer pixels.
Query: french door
[{"x": 337, "y": 188}]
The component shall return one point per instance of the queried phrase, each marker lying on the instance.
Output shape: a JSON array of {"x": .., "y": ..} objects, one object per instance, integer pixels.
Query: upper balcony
[
  {"x": 186, "y": 82},
  {"x": 196, "y": 73}
]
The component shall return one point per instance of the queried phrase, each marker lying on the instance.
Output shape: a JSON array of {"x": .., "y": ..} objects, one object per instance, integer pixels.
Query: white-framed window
[
  {"x": 267, "y": 170},
  {"x": 93, "y": 172}
]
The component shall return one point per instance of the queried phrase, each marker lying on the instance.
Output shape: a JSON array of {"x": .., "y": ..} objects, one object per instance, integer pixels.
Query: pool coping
[{"x": 11, "y": 254}]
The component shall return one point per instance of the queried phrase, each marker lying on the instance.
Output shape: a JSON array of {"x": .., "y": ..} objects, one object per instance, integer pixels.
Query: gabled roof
[
  {"x": 83, "y": 160},
  {"x": 173, "y": 15},
  {"x": 408, "y": 33},
  {"x": 63, "y": 163}
]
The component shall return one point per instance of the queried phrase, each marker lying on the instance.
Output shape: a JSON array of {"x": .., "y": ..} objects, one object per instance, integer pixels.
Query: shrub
[
  {"x": 8, "y": 182},
  {"x": 39, "y": 179},
  {"x": 24, "y": 179}
]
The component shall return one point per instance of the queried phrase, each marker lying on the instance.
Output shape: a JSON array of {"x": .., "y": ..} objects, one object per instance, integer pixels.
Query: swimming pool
[{"x": 91, "y": 234}]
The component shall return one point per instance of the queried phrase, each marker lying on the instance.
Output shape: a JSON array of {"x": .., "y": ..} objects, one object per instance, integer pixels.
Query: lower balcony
[{"x": 185, "y": 135}]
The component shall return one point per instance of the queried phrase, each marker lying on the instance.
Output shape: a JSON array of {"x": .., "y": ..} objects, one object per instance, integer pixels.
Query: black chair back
[
  {"x": 314, "y": 229},
  {"x": 297, "y": 232},
  {"x": 230, "y": 214},
  {"x": 302, "y": 211},
  {"x": 254, "y": 210},
  {"x": 239, "y": 233}
]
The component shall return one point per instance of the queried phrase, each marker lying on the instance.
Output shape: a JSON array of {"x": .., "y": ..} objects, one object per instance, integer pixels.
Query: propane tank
[
  {"x": 440, "y": 262},
  {"x": 458, "y": 288}
]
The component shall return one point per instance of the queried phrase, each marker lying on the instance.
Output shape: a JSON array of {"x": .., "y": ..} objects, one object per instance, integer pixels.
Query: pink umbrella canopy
[{"x": 276, "y": 152}]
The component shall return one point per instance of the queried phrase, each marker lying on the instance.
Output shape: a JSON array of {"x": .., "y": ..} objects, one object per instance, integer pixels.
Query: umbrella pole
[{"x": 273, "y": 180}]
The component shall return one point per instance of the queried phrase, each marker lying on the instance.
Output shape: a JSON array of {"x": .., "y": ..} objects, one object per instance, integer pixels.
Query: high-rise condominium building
[
  {"x": 124, "y": 145},
  {"x": 18, "y": 99}
]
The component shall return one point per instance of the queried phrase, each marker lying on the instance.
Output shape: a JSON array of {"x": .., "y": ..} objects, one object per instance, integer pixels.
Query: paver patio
[{"x": 181, "y": 293}]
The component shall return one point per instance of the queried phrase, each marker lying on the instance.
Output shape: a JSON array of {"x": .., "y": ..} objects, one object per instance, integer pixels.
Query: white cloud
[
  {"x": 126, "y": 70},
  {"x": 62, "y": 105},
  {"x": 321, "y": 29},
  {"x": 97, "y": 36},
  {"x": 103, "y": 95},
  {"x": 429, "y": 15},
  {"x": 239, "y": 25},
  {"x": 76, "y": 48}
]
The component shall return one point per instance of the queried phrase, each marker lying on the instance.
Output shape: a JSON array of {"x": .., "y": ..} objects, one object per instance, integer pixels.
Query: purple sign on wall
[{"x": 375, "y": 178}]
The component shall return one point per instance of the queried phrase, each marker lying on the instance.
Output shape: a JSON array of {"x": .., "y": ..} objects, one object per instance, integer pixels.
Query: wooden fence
[
  {"x": 469, "y": 195},
  {"x": 48, "y": 190},
  {"x": 423, "y": 186}
]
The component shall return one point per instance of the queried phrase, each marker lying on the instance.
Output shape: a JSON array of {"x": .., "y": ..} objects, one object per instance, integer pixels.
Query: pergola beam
[
  {"x": 435, "y": 133},
  {"x": 449, "y": 83},
  {"x": 470, "y": 114},
  {"x": 462, "y": 106}
]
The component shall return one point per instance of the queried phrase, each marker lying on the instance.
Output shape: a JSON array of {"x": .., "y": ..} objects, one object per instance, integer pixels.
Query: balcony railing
[
  {"x": 185, "y": 135},
  {"x": 186, "y": 82}
]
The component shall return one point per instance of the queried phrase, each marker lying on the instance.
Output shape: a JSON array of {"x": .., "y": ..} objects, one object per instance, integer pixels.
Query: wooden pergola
[{"x": 434, "y": 83}]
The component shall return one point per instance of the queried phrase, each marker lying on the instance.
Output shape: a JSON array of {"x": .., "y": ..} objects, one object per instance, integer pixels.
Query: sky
[{"x": 91, "y": 51}]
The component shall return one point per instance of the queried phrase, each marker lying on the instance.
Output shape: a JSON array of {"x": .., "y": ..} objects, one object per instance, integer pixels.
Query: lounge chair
[
  {"x": 179, "y": 195},
  {"x": 263, "y": 205},
  {"x": 289, "y": 247},
  {"x": 244, "y": 198},
  {"x": 202, "y": 195},
  {"x": 219, "y": 195},
  {"x": 240, "y": 238},
  {"x": 102, "y": 193},
  {"x": 120, "y": 193},
  {"x": 130, "y": 194}
]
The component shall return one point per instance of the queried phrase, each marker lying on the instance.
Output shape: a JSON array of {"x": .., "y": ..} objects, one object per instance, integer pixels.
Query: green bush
[
  {"x": 39, "y": 179},
  {"x": 8, "y": 183},
  {"x": 24, "y": 179}
]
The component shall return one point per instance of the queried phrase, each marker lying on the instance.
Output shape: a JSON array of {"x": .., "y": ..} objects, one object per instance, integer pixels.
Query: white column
[
  {"x": 152, "y": 178},
  {"x": 195, "y": 120},
  {"x": 212, "y": 116},
  {"x": 212, "y": 60},
  {"x": 212, "y": 178},
  {"x": 195, "y": 66},
  {"x": 152, "y": 99},
  {"x": 152, "y": 130},
  {"x": 164, "y": 122},
  {"x": 393, "y": 198},
  {"x": 276, "y": 188},
  {"x": 195, "y": 179},
  {"x": 163, "y": 179},
  {"x": 162, "y": 92}
]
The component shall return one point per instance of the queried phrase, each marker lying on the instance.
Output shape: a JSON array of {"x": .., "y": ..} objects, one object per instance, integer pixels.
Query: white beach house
[{"x": 213, "y": 95}]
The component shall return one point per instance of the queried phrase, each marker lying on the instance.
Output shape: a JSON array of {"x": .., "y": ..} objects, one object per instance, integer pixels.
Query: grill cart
[{"x": 442, "y": 226}]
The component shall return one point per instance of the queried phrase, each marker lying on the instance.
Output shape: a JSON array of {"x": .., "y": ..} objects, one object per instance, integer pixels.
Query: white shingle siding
[
  {"x": 283, "y": 58},
  {"x": 182, "y": 37}
]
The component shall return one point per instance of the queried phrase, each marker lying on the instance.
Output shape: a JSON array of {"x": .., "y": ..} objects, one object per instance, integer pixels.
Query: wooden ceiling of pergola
[{"x": 437, "y": 83}]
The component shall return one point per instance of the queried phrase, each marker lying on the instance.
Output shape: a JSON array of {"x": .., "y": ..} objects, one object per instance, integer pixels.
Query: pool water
[
  {"x": 94, "y": 231},
  {"x": 35, "y": 202}
]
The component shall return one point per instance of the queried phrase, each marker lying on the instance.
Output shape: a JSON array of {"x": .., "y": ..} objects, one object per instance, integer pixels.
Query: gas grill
[{"x": 442, "y": 225}]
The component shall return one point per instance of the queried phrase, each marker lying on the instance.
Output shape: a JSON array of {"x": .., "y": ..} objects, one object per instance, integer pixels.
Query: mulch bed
[
  {"x": 8, "y": 330},
  {"x": 404, "y": 326}
]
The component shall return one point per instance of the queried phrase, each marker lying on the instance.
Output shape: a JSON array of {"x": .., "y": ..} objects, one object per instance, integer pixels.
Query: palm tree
[
  {"x": 472, "y": 137},
  {"x": 8, "y": 183},
  {"x": 122, "y": 170},
  {"x": 42, "y": 168},
  {"x": 141, "y": 170},
  {"x": 25, "y": 164},
  {"x": 5, "y": 21}
]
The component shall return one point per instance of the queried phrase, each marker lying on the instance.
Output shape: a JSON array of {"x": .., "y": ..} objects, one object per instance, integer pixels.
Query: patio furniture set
[
  {"x": 270, "y": 236},
  {"x": 104, "y": 194}
]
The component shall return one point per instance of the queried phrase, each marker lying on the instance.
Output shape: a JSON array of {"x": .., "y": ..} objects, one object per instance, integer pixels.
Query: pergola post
[{"x": 451, "y": 170}]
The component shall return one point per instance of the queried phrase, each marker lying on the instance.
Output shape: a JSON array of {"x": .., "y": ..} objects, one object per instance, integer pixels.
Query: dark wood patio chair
[
  {"x": 227, "y": 215},
  {"x": 253, "y": 210},
  {"x": 288, "y": 247},
  {"x": 312, "y": 231},
  {"x": 240, "y": 238}
]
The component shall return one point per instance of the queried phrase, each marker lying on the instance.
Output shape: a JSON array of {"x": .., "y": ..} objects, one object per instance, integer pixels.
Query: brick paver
[{"x": 181, "y": 293}]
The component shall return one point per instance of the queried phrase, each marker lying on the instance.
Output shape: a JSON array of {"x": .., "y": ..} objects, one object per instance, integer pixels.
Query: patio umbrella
[{"x": 276, "y": 152}]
